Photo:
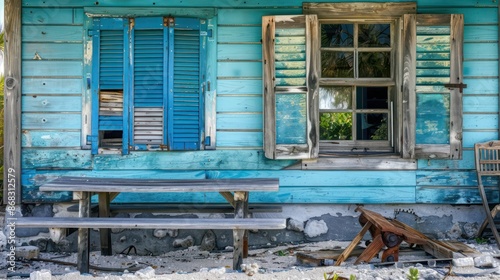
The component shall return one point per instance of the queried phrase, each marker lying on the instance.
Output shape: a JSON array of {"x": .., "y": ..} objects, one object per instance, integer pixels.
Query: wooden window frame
[{"x": 405, "y": 150}]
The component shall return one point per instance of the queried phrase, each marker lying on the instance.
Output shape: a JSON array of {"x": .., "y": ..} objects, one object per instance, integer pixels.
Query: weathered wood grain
[
  {"x": 12, "y": 100},
  {"x": 92, "y": 184},
  {"x": 128, "y": 223}
]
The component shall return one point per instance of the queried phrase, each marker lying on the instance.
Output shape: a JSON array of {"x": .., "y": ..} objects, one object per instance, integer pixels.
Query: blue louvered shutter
[
  {"x": 150, "y": 55},
  {"x": 108, "y": 84},
  {"x": 188, "y": 64}
]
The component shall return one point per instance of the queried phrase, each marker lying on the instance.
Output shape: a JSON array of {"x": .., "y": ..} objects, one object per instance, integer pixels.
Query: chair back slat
[{"x": 487, "y": 158}]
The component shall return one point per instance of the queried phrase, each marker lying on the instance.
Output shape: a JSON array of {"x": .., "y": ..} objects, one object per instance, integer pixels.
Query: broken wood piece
[
  {"x": 353, "y": 244},
  {"x": 324, "y": 257}
]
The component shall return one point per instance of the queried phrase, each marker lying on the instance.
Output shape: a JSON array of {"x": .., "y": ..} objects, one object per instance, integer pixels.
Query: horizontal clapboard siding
[
  {"x": 239, "y": 101},
  {"x": 52, "y": 61}
]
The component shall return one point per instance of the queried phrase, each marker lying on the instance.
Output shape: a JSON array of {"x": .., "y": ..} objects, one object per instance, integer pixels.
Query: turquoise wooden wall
[{"x": 54, "y": 84}]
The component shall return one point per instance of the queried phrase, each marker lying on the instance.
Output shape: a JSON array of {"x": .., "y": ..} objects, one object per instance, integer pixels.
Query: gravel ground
[{"x": 268, "y": 263}]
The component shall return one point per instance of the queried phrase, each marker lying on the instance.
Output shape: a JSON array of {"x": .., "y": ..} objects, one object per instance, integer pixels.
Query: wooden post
[
  {"x": 83, "y": 235},
  {"x": 240, "y": 201},
  {"x": 105, "y": 233},
  {"x": 12, "y": 102}
]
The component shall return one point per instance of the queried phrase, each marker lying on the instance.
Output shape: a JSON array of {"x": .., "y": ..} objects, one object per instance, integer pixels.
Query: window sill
[{"x": 382, "y": 162}]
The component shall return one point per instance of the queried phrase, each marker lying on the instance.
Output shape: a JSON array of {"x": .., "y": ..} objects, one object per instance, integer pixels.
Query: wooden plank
[
  {"x": 361, "y": 163},
  {"x": 42, "y": 68},
  {"x": 480, "y": 121},
  {"x": 51, "y": 121},
  {"x": 239, "y": 104},
  {"x": 365, "y": 10},
  {"x": 240, "y": 239},
  {"x": 239, "y": 121},
  {"x": 408, "y": 92},
  {"x": 52, "y": 86},
  {"x": 239, "y": 52},
  {"x": 268, "y": 35},
  {"x": 436, "y": 248},
  {"x": 456, "y": 75},
  {"x": 355, "y": 241},
  {"x": 51, "y": 16},
  {"x": 239, "y": 86},
  {"x": 455, "y": 195},
  {"x": 252, "y": 16},
  {"x": 466, "y": 163},
  {"x": 239, "y": 34},
  {"x": 481, "y": 103},
  {"x": 12, "y": 101},
  {"x": 147, "y": 162},
  {"x": 37, "y": 103},
  {"x": 151, "y": 223},
  {"x": 49, "y": 33},
  {"x": 155, "y": 10},
  {"x": 481, "y": 68},
  {"x": 159, "y": 185},
  {"x": 51, "y": 50},
  {"x": 243, "y": 139},
  {"x": 83, "y": 234},
  {"x": 229, "y": 3},
  {"x": 239, "y": 69},
  {"x": 53, "y": 139},
  {"x": 472, "y": 137},
  {"x": 480, "y": 50},
  {"x": 105, "y": 234},
  {"x": 229, "y": 197},
  {"x": 181, "y": 208}
]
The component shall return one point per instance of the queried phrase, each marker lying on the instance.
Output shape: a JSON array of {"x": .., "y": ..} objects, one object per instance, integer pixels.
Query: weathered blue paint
[{"x": 55, "y": 117}]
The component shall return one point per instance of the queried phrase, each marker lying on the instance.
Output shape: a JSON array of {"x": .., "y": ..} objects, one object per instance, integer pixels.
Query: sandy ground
[{"x": 265, "y": 263}]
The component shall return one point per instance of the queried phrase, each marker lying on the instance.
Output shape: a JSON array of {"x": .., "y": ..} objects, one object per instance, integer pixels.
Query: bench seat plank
[
  {"x": 151, "y": 223},
  {"x": 179, "y": 208},
  {"x": 90, "y": 184}
]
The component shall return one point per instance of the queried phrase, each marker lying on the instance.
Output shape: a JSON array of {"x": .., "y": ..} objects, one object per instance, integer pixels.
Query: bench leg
[
  {"x": 105, "y": 233},
  {"x": 240, "y": 246},
  {"x": 83, "y": 235}
]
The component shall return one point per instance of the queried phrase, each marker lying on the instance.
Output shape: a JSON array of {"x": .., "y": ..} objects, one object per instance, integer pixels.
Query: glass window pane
[
  {"x": 335, "y": 98},
  {"x": 337, "y": 64},
  {"x": 374, "y": 35},
  {"x": 374, "y": 64},
  {"x": 337, "y": 35},
  {"x": 371, "y": 98},
  {"x": 371, "y": 127},
  {"x": 335, "y": 126}
]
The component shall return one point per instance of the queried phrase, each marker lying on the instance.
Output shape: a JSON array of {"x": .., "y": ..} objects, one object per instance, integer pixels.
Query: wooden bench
[{"x": 235, "y": 191}]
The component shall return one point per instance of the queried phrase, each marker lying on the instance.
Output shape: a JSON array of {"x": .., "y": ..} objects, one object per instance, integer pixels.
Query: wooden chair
[{"x": 487, "y": 157}]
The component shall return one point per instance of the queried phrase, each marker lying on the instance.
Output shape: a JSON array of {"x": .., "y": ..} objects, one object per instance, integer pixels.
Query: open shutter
[
  {"x": 110, "y": 62},
  {"x": 433, "y": 86},
  {"x": 186, "y": 98},
  {"x": 290, "y": 85},
  {"x": 150, "y": 53}
]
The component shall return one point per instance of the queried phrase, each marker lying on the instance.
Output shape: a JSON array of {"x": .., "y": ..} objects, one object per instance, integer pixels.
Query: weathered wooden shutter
[
  {"x": 433, "y": 86},
  {"x": 187, "y": 88},
  {"x": 290, "y": 80},
  {"x": 110, "y": 61},
  {"x": 150, "y": 55}
]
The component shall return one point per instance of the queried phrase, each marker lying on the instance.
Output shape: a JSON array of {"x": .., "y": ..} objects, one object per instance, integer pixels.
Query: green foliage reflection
[{"x": 335, "y": 126}]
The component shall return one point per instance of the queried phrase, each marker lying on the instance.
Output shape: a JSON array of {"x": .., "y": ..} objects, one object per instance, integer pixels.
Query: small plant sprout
[{"x": 413, "y": 274}]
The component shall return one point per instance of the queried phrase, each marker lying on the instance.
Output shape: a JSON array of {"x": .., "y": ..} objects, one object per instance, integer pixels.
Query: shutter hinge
[
  {"x": 168, "y": 21},
  {"x": 460, "y": 86}
]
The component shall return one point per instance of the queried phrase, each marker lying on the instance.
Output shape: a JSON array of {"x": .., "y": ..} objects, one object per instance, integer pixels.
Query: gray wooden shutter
[
  {"x": 432, "y": 86},
  {"x": 290, "y": 84}
]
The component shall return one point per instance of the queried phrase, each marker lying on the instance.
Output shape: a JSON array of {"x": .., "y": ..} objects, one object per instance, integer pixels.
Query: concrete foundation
[{"x": 306, "y": 223}]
